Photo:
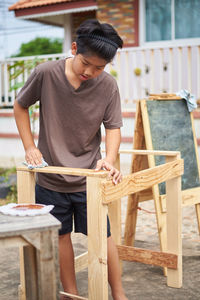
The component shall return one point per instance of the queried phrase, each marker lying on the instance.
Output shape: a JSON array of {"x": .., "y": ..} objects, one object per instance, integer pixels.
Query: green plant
[
  {"x": 33, "y": 109},
  {"x": 17, "y": 70},
  {"x": 40, "y": 45},
  {"x": 113, "y": 73},
  {"x": 12, "y": 194}
]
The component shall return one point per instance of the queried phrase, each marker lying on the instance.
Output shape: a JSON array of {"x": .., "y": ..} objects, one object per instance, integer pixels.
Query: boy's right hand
[{"x": 33, "y": 156}]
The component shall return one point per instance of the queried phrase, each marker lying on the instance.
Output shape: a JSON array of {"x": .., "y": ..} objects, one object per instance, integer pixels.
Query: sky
[{"x": 14, "y": 32}]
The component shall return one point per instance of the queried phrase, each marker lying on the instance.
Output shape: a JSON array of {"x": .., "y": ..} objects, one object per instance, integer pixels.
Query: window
[{"x": 172, "y": 19}]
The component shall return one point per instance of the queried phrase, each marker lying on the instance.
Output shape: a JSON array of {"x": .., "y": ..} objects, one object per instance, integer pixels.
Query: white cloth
[
  {"x": 190, "y": 99},
  {"x": 42, "y": 165}
]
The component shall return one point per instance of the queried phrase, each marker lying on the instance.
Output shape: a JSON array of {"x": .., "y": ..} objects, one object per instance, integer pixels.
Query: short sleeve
[
  {"x": 113, "y": 116},
  {"x": 31, "y": 91}
]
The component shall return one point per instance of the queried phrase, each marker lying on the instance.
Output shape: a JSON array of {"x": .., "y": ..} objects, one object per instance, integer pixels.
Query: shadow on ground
[{"x": 141, "y": 282}]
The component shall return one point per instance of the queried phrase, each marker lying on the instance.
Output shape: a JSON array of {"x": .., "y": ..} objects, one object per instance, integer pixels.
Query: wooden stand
[
  {"x": 102, "y": 190},
  {"x": 143, "y": 140},
  {"x": 39, "y": 268}
]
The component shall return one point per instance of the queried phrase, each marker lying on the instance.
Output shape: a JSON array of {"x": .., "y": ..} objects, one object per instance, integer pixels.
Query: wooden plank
[
  {"x": 25, "y": 187},
  {"x": 148, "y": 152},
  {"x": 67, "y": 171},
  {"x": 16, "y": 241},
  {"x": 25, "y": 194},
  {"x": 197, "y": 207},
  {"x": 189, "y": 197},
  {"x": 136, "y": 165},
  {"x": 81, "y": 262},
  {"x": 114, "y": 212},
  {"x": 145, "y": 195},
  {"x": 147, "y": 256},
  {"x": 47, "y": 267},
  {"x": 97, "y": 241},
  {"x": 174, "y": 228},
  {"x": 15, "y": 225},
  {"x": 164, "y": 97},
  {"x": 141, "y": 180},
  {"x": 71, "y": 296}
]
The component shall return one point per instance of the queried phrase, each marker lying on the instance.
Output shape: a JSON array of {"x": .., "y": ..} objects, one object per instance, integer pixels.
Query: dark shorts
[{"x": 67, "y": 206}]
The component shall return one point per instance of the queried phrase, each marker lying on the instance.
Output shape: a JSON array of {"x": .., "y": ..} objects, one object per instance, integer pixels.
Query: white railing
[{"x": 139, "y": 72}]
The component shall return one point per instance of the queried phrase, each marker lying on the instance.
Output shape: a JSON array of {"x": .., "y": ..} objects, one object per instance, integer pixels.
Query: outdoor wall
[
  {"x": 123, "y": 15},
  {"x": 78, "y": 18}
]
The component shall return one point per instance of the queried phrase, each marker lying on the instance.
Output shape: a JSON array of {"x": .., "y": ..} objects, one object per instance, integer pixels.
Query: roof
[{"x": 21, "y": 4}]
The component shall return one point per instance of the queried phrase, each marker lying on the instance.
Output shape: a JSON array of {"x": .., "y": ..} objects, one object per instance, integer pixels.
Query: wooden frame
[
  {"x": 143, "y": 140},
  {"x": 104, "y": 192}
]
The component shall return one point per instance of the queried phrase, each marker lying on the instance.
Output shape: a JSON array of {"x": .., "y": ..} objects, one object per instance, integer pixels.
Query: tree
[{"x": 40, "y": 45}]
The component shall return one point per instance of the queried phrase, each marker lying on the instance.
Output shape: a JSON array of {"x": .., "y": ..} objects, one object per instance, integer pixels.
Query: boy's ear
[{"x": 74, "y": 48}]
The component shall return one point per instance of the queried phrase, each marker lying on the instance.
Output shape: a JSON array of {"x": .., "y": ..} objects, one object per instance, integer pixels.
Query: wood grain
[
  {"x": 141, "y": 180},
  {"x": 97, "y": 241},
  {"x": 66, "y": 171},
  {"x": 147, "y": 256}
]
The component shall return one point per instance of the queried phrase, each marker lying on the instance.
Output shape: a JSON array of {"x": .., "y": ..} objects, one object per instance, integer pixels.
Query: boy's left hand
[{"x": 113, "y": 172}]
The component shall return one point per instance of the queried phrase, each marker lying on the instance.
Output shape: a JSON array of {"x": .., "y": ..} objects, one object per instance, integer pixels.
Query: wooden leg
[
  {"x": 97, "y": 241},
  {"x": 131, "y": 220},
  {"x": 47, "y": 267},
  {"x": 174, "y": 226},
  {"x": 114, "y": 212},
  {"x": 22, "y": 286},
  {"x": 197, "y": 206},
  {"x": 25, "y": 194},
  {"x": 25, "y": 187}
]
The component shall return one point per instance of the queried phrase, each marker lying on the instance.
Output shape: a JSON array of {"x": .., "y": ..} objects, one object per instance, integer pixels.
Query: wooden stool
[{"x": 37, "y": 238}]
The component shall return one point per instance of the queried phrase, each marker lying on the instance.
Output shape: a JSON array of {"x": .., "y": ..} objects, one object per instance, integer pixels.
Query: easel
[
  {"x": 101, "y": 192},
  {"x": 143, "y": 140}
]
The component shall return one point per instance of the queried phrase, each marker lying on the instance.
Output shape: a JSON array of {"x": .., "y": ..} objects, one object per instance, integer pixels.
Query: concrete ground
[{"x": 141, "y": 282}]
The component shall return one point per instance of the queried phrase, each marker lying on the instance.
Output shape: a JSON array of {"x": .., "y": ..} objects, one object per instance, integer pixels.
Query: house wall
[
  {"x": 123, "y": 15},
  {"x": 78, "y": 18}
]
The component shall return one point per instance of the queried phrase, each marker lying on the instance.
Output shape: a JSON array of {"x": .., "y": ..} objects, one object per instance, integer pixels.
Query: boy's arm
[
  {"x": 113, "y": 139},
  {"x": 32, "y": 154}
]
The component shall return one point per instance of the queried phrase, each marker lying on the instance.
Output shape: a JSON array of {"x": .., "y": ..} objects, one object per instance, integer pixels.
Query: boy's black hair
[{"x": 98, "y": 38}]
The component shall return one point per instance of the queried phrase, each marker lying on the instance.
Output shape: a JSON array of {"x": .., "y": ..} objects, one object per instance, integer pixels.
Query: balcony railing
[{"x": 138, "y": 71}]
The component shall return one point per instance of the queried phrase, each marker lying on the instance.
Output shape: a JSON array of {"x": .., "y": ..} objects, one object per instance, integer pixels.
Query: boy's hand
[
  {"x": 33, "y": 156},
  {"x": 114, "y": 173}
]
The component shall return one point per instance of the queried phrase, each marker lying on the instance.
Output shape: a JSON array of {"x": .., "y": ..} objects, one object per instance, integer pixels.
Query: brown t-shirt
[{"x": 70, "y": 120}]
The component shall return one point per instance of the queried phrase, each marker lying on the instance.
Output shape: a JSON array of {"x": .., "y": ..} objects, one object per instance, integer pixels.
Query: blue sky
[{"x": 14, "y": 32}]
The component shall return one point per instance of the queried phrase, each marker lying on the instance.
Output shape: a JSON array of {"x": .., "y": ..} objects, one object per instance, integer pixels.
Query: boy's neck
[{"x": 71, "y": 77}]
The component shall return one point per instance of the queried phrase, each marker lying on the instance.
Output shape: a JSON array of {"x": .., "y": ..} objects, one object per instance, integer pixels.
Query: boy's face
[{"x": 87, "y": 66}]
